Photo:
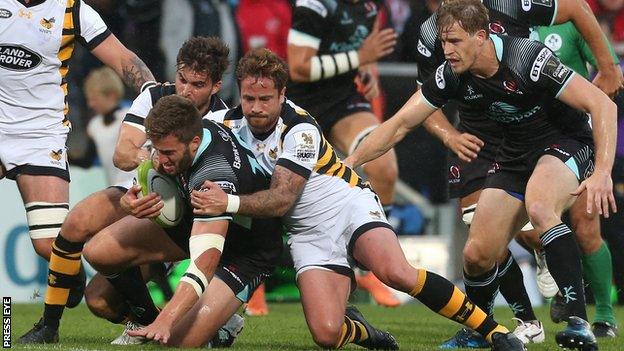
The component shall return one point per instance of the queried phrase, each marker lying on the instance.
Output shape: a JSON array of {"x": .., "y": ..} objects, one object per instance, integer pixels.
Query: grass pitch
[{"x": 415, "y": 327}]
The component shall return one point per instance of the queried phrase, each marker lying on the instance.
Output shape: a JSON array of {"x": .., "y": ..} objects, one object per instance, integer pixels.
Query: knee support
[
  {"x": 45, "y": 219},
  {"x": 468, "y": 214}
]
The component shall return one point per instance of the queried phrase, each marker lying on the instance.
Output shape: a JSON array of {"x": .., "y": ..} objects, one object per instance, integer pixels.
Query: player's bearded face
[
  {"x": 460, "y": 48},
  {"x": 172, "y": 156},
  {"x": 196, "y": 86},
  {"x": 261, "y": 102}
]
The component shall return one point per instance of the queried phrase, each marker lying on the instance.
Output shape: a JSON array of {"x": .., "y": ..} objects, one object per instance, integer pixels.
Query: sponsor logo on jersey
[
  {"x": 542, "y": 57},
  {"x": 345, "y": 19},
  {"x": 496, "y": 27},
  {"x": 25, "y": 14},
  {"x": 553, "y": 41},
  {"x": 423, "y": 49},
  {"x": 314, "y": 5},
  {"x": 4, "y": 13},
  {"x": 526, "y": 5},
  {"x": 47, "y": 23},
  {"x": 547, "y": 3},
  {"x": 472, "y": 93},
  {"x": 305, "y": 149},
  {"x": 506, "y": 113},
  {"x": 18, "y": 58},
  {"x": 556, "y": 70},
  {"x": 439, "y": 77}
]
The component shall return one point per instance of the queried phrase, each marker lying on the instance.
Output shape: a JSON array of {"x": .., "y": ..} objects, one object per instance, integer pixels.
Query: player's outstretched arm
[
  {"x": 127, "y": 64},
  {"x": 205, "y": 247},
  {"x": 609, "y": 78},
  {"x": 389, "y": 133},
  {"x": 286, "y": 186},
  {"x": 582, "y": 95}
]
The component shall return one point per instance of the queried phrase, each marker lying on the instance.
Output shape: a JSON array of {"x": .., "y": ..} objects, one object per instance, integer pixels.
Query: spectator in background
[
  {"x": 264, "y": 24},
  {"x": 104, "y": 91},
  {"x": 611, "y": 17}
]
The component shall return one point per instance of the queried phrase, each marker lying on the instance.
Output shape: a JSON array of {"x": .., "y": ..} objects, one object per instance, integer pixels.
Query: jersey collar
[
  {"x": 32, "y": 3},
  {"x": 206, "y": 140},
  {"x": 498, "y": 46}
]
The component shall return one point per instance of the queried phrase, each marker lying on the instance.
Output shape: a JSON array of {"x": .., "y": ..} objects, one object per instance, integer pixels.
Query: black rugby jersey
[
  {"x": 142, "y": 105},
  {"x": 338, "y": 26},
  {"x": 222, "y": 159},
  {"x": 510, "y": 17},
  {"x": 520, "y": 96}
]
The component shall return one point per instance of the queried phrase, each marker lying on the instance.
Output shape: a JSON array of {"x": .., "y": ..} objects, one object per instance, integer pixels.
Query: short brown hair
[
  {"x": 204, "y": 54},
  {"x": 470, "y": 15},
  {"x": 104, "y": 81},
  {"x": 263, "y": 63},
  {"x": 174, "y": 115}
]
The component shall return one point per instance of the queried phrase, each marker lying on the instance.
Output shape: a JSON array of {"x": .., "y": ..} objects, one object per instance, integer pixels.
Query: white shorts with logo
[
  {"x": 36, "y": 153},
  {"x": 330, "y": 243}
]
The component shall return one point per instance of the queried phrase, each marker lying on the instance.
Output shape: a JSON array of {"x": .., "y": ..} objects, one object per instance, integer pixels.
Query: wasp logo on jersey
[
  {"x": 56, "y": 155},
  {"x": 18, "y": 58},
  {"x": 273, "y": 153},
  {"x": 375, "y": 214},
  {"x": 47, "y": 23},
  {"x": 305, "y": 149},
  {"x": 4, "y": 13}
]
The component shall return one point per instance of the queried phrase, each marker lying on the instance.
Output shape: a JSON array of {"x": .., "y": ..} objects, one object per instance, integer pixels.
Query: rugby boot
[
  {"x": 530, "y": 331},
  {"x": 228, "y": 332},
  {"x": 76, "y": 293},
  {"x": 382, "y": 294},
  {"x": 577, "y": 336},
  {"x": 604, "y": 329},
  {"x": 506, "y": 342},
  {"x": 126, "y": 339},
  {"x": 466, "y": 338},
  {"x": 377, "y": 339},
  {"x": 40, "y": 334}
]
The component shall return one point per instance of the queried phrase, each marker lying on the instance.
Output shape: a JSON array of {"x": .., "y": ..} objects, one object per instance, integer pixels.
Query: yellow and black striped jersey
[
  {"x": 298, "y": 144},
  {"x": 36, "y": 43}
]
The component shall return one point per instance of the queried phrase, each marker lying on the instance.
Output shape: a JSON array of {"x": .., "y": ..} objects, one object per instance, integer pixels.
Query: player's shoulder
[
  {"x": 323, "y": 8},
  {"x": 293, "y": 115},
  {"x": 523, "y": 55},
  {"x": 428, "y": 35},
  {"x": 159, "y": 91}
]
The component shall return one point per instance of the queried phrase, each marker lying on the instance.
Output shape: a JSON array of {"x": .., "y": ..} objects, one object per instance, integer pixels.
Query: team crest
[
  {"x": 56, "y": 155},
  {"x": 273, "y": 153},
  {"x": 307, "y": 138},
  {"x": 47, "y": 23}
]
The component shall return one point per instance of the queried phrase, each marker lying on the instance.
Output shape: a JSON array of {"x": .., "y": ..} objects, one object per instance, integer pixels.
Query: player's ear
[
  {"x": 216, "y": 87},
  {"x": 482, "y": 36},
  {"x": 282, "y": 97},
  {"x": 194, "y": 144}
]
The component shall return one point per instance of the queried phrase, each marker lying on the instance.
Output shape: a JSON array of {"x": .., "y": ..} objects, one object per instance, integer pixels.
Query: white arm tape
[
  {"x": 327, "y": 66},
  {"x": 233, "y": 204},
  {"x": 198, "y": 244},
  {"x": 468, "y": 214},
  {"x": 147, "y": 85}
]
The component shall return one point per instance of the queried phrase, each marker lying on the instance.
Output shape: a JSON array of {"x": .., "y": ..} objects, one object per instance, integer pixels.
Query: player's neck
[{"x": 486, "y": 64}]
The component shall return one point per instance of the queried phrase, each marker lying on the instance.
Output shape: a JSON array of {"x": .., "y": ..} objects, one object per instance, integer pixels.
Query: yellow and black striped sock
[
  {"x": 443, "y": 297},
  {"x": 351, "y": 331},
  {"x": 63, "y": 271}
]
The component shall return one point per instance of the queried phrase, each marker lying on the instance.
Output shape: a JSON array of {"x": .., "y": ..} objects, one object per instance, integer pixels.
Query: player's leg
[
  {"x": 597, "y": 266},
  {"x": 134, "y": 242},
  {"x": 325, "y": 281},
  {"x": 547, "y": 196}
]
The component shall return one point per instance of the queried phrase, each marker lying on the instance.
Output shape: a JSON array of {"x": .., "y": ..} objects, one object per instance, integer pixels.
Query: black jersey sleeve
[
  {"x": 309, "y": 20},
  {"x": 427, "y": 58},
  {"x": 439, "y": 88},
  {"x": 548, "y": 73},
  {"x": 527, "y": 12}
]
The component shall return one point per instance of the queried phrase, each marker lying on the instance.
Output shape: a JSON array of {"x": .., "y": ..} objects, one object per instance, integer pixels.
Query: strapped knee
[
  {"x": 45, "y": 219},
  {"x": 468, "y": 214}
]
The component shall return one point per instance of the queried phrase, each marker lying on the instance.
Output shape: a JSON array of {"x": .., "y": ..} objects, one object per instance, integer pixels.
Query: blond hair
[{"x": 104, "y": 81}]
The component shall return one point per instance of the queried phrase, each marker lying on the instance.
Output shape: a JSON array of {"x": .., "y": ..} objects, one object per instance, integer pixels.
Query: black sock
[
  {"x": 482, "y": 289},
  {"x": 130, "y": 285},
  {"x": 564, "y": 262},
  {"x": 511, "y": 282},
  {"x": 63, "y": 272}
]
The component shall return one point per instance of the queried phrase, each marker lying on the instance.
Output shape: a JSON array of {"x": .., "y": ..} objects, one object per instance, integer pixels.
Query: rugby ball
[{"x": 152, "y": 181}]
